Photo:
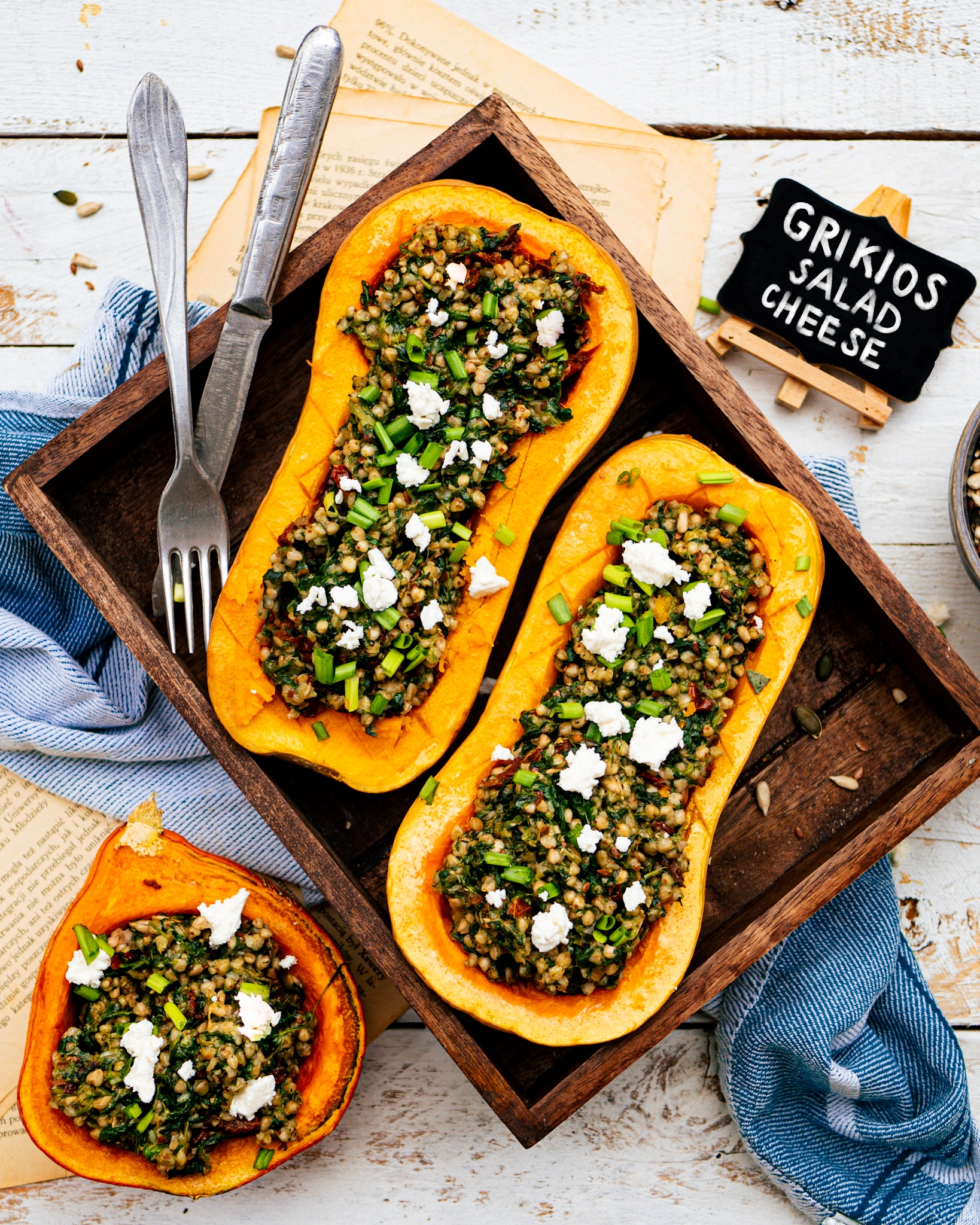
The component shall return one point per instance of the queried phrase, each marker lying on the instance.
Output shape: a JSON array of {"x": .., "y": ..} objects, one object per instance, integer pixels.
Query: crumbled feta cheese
[
  {"x": 583, "y": 769},
  {"x": 225, "y": 917},
  {"x": 141, "y": 1042},
  {"x": 287, "y": 962},
  {"x": 608, "y": 636},
  {"x": 696, "y": 601},
  {"x": 496, "y": 350},
  {"x": 457, "y": 450},
  {"x": 456, "y": 273},
  {"x": 663, "y": 634},
  {"x": 315, "y": 595},
  {"x": 347, "y": 483},
  {"x": 622, "y": 844},
  {"x": 484, "y": 579},
  {"x": 425, "y": 405},
  {"x": 350, "y": 639},
  {"x": 381, "y": 563},
  {"x": 608, "y": 718},
  {"x": 256, "y": 1094},
  {"x": 491, "y": 406},
  {"x": 258, "y": 1016},
  {"x": 550, "y": 927},
  {"x": 633, "y": 896},
  {"x": 430, "y": 615},
  {"x": 650, "y": 562},
  {"x": 343, "y": 597},
  {"x": 434, "y": 315},
  {"x": 937, "y": 612},
  {"x": 379, "y": 592},
  {"x": 186, "y": 1070},
  {"x": 757, "y": 622},
  {"x": 654, "y": 739},
  {"x": 409, "y": 471},
  {"x": 497, "y": 897},
  {"x": 482, "y": 451},
  {"x": 501, "y": 753},
  {"x": 589, "y": 839},
  {"x": 550, "y": 327},
  {"x": 84, "y": 974},
  {"x": 418, "y": 533}
]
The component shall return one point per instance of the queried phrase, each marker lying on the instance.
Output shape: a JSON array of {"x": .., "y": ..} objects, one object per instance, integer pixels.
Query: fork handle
[{"x": 158, "y": 154}]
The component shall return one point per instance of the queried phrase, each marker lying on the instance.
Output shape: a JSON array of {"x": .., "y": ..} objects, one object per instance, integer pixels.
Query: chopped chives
[
  {"x": 804, "y": 607},
  {"x": 497, "y": 859},
  {"x": 133, "y": 1110},
  {"x": 433, "y": 519},
  {"x": 614, "y": 537},
  {"x": 520, "y": 874},
  {"x": 648, "y": 707},
  {"x": 709, "y": 305},
  {"x": 86, "y": 993},
  {"x": 343, "y": 672},
  {"x": 388, "y": 618},
  {"x": 616, "y": 574},
  {"x": 105, "y": 946},
  {"x": 351, "y": 687},
  {"x": 366, "y": 509},
  {"x": 504, "y": 535},
  {"x": 426, "y": 488},
  {"x": 599, "y": 936},
  {"x": 359, "y": 520},
  {"x": 174, "y": 1013},
  {"x": 558, "y": 606},
  {"x": 715, "y": 478},
  {"x": 387, "y": 461},
  {"x": 711, "y": 617},
  {"x": 630, "y": 522},
  {"x": 415, "y": 348},
  {"x": 732, "y": 514},
  {"x": 145, "y": 1121},
  {"x": 368, "y": 486},
  {"x": 457, "y": 553},
  {"x": 370, "y": 394},
  {"x": 414, "y": 660},
  {"x": 391, "y": 662},
  {"x": 471, "y": 335},
  {"x": 400, "y": 429},
  {"x": 802, "y": 562},
  {"x": 264, "y": 1158},
  {"x": 320, "y": 731},
  {"x": 606, "y": 923},
  {"x": 613, "y": 664},
  {"x": 383, "y": 437},
  {"x": 464, "y": 533},
  {"x": 592, "y": 733},
  {"x": 453, "y": 433},
  {"x": 428, "y": 792},
  {"x": 384, "y": 491},
  {"x": 644, "y": 629},
  {"x": 524, "y": 778},
  {"x": 658, "y": 536},
  {"x": 489, "y": 306},
  {"x": 660, "y": 680},
  {"x": 646, "y": 588},
  {"x": 158, "y": 983},
  {"x": 322, "y": 666},
  {"x": 623, "y": 602},
  {"x": 413, "y": 444},
  {"x": 379, "y": 704},
  {"x": 546, "y": 887},
  {"x": 330, "y": 504},
  {"x": 422, "y": 376},
  {"x": 431, "y": 454},
  {"x": 618, "y": 936},
  {"x": 628, "y": 477},
  {"x": 569, "y": 710},
  {"x": 556, "y": 353},
  {"x": 403, "y": 641},
  {"x": 455, "y": 364},
  {"x": 86, "y": 942}
]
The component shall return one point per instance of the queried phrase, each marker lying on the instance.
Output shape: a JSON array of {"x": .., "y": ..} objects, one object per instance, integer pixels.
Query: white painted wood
[
  {"x": 871, "y": 66},
  {"x": 31, "y": 369}
]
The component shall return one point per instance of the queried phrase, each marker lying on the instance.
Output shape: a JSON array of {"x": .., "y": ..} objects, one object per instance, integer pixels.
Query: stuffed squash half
[
  {"x": 550, "y": 882},
  {"x": 469, "y": 351}
]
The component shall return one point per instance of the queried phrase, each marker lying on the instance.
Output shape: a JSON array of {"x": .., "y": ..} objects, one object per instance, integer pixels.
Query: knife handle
[{"x": 306, "y": 105}]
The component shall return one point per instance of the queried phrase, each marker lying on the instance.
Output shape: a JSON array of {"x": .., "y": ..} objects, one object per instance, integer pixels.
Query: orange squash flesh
[
  {"x": 242, "y": 695},
  {"x": 783, "y": 529},
  {"x": 122, "y": 886}
]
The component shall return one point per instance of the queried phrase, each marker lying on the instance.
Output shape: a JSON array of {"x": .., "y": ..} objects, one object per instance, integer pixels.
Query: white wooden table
[{"x": 418, "y": 1143}]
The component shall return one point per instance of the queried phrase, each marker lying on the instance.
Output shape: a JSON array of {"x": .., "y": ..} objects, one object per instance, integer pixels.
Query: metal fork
[{"x": 191, "y": 518}]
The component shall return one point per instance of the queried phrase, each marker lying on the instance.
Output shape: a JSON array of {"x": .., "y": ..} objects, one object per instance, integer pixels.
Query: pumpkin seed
[
  {"x": 66, "y": 197},
  {"x": 808, "y": 721},
  {"x": 762, "y": 797},
  {"x": 89, "y": 208},
  {"x": 900, "y": 696},
  {"x": 845, "y": 781},
  {"x": 825, "y": 666}
]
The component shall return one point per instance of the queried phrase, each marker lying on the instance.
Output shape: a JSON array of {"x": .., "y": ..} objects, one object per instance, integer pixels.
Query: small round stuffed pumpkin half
[
  {"x": 346, "y": 483},
  {"x": 141, "y": 871},
  {"x": 556, "y": 891}
]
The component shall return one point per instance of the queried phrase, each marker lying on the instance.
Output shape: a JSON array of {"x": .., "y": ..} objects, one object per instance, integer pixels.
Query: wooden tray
[{"x": 92, "y": 494}]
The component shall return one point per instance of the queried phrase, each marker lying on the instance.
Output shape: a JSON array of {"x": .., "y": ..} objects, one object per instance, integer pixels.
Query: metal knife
[{"x": 306, "y": 106}]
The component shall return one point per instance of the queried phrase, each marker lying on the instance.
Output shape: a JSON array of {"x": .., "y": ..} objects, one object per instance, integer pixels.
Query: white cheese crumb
[
  {"x": 484, "y": 579},
  {"x": 491, "y": 406},
  {"x": 650, "y": 562},
  {"x": 431, "y": 615},
  {"x": 937, "y": 612},
  {"x": 456, "y": 273},
  {"x": 501, "y": 753},
  {"x": 434, "y": 315},
  {"x": 287, "y": 962},
  {"x": 457, "y": 450},
  {"x": 186, "y": 1070},
  {"x": 497, "y": 897},
  {"x": 757, "y": 622},
  {"x": 622, "y": 844},
  {"x": 550, "y": 928},
  {"x": 350, "y": 639},
  {"x": 633, "y": 896},
  {"x": 258, "y": 1016},
  {"x": 418, "y": 533},
  {"x": 496, "y": 350},
  {"x": 608, "y": 718},
  {"x": 256, "y": 1094},
  {"x": 482, "y": 451},
  {"x": 425, "y": 405},
  {"x": 696, "y": 601},
  {"x": 583, "y": 769},
  {"x": 343, "y": 597},
  {"x": 225, "y": 917},
  {"x": 381, "y": 563},
  {"x": 347, "y": 483},
  {"x": 409, "y": 471},
  {"x": 141, "y": 1042},
  {"x": 550, "y": 327},
  {"x": 315, "y": 595},
  {"x": 654, "y": 739},
  {"x": 589, "y": 839},
  {"x": 83, "y": 974},
  {"x": 663, "y": 634},
  {"x": 379, "y": 592},
  {"x": 608, "y": 636}
]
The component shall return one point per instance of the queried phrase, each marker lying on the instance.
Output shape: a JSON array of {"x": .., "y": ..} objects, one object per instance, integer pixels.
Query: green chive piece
[
  {"x": 592, "y": 733},
  {"x": 455, "y": 364},
  {"x": 732, "y": 514},
  {"x": 618, "y": 936},
  {"x": 497, "y": 859},
  {"x": 519, "y": 874},
  {"x": 471, "y": 335},
  {"x": 804, "y": 607},
  {"x": 606, "y": 923},
  {"x": 457, "y": 553},
  {"x": 709, "y": 305},
  {"x": 803, "y": 562},
  {"x": 320, "y": 731},
  {"x": 66, "y": 197},
  {"x": 464, "y": 533},
  {"x": 558, "y": 606},
  {"x": 157, "y": 983},
  {"x": 648, "y": 707},
  {"x": 379, "y": 704},
  {"x": 426, "y": 488},
  {"x": 711, "y": 617},
  {"x": 351, "y": 687},
  {"x": 614, "y": 537},
  {"x": 87, "y": 993},
  {"x": 658, "y": 536},
  {"x": 391, "y": 662},
  {"x": 366, "y": 509},
  {"x": 413, "y": 661},
  {"x": 86, "y": 942},
  {"x": 628, "y": 477},
  {"x": 569, "y": 710},
  {"x": 618, "y": 575},
  {"x": 504, "y": 535},
  {"x": 322, "y": 666},
  {"x": 105, "y": 946},
  {"x": 415, "y": 348},
  {"x": 546, "y": 887},
  {"x": 433, "y": 519},
  {"x": 626, "y": 521},
  {"x": 599, "y": 937},
  {"x": 403, "y": 642},
  {"x": 428, "y": 792},
  {"x": 715, "y": 478},
  {"x": 556, "y": 354},
  {"x": 145, "y": 1121},
  {"x": 489, "y": 306},
  {"x": 387, "y": 461},
  {"x": 369, "y": 394},
  {"x": 174, "y": 1013},
  {"x": 263, "y": 1160},
  {"x": 414, "y": 444},
  {"x": 625, "y": 529},
  {"x": 330, "y": 505},
  {"x": 343, "y": 672},
  {"x": 384, "y": 491},
  {"x": 359, "y": 520},
  {"x": 623, "y": 602},
  {"x": 757, "y": 680},
  {"x": 388, "y": 617},
  {"x": 453, "y": 433},
  {"x": 423, "y": 376},
  {"x": 524, "y": 778},
  {"x": 133, "y": 1110},
  {"x": 255, "y": 989},
  {"x": 644, "y": 629},
  {"x": 431, "y": 454},
  {"x": 614, "y": 664},
  {"x": 400, "y": 430},
  {"x": 383, "y": 437},
  {"x": 370, "y": 486},
  {"x": 660, "y": 680}
]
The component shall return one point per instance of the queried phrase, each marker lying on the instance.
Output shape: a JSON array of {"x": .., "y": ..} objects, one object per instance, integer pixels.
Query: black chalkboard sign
[{"x": 847, "y": 290}]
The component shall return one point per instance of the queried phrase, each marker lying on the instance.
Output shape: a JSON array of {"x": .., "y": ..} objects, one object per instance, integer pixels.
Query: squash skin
[
  {"x": 668, "y": 466},
  {"x": 115, "y": 892},
  {"x": 242, "y": 695}
]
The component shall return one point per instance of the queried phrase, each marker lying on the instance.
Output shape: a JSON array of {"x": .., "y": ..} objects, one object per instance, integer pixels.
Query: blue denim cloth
[{"x": 845, "y": 1079}]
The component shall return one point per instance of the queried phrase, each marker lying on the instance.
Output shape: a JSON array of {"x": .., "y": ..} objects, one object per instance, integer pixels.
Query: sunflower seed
[
  {"x": 845, "y": 781},
  {"x": 825, "y": 666},
  {"x": 860, "y": 746},
  {"x": 83, "y": 261},
  {"x": 808, "y": 721},
  {"x": 762, "y": 797},
  {"x": 799, "y": 832},
  {"x": 199, "y": 172},
  {"x": 89, "y": 208},
  {"x": 286, "y": 53},
  {"x": 900, "y": 696}
]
